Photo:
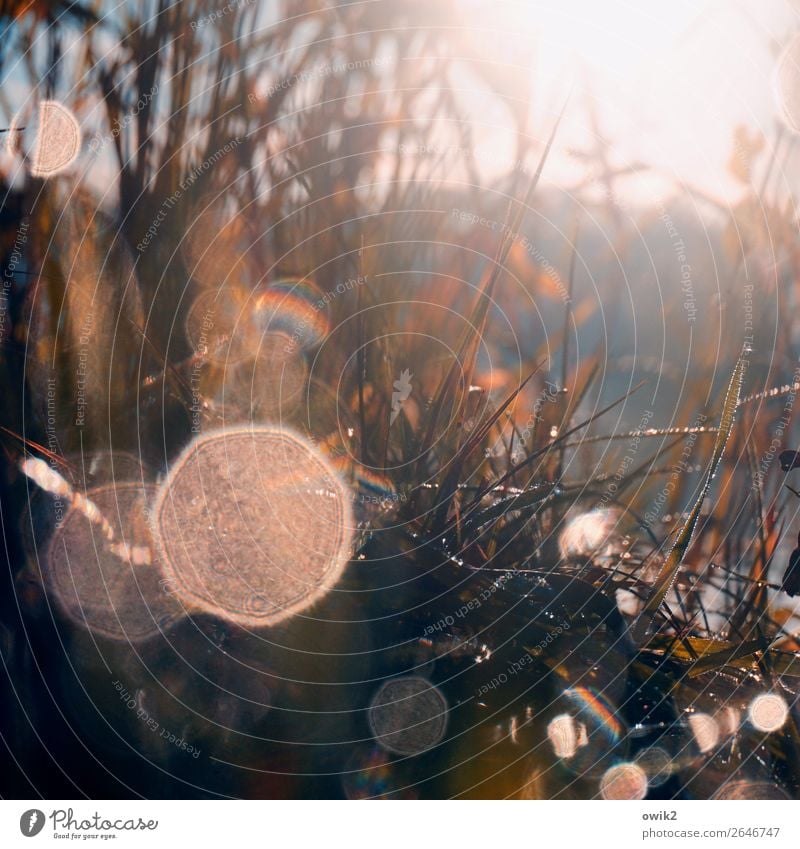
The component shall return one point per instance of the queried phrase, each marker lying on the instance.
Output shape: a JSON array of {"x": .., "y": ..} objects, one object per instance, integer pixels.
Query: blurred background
[{"x": 376, "y": 184}]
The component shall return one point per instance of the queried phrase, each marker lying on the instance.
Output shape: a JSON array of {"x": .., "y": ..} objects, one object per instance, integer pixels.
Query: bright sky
[{"x": 671, "y": 79}]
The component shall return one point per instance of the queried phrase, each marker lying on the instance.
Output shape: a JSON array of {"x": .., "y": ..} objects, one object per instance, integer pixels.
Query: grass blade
[{"x": 672, "y": 564}]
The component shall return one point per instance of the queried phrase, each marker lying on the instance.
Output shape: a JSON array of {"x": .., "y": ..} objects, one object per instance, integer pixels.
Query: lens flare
[
  {"x": 768, "y": 712},
  {"x": 217, "y": 327},
  {"x": 706, "y": 731},
  {"x": 110, "y": 583},
  {"x": 58, "y": 140},
  {"x": 57, "y": 136},
  {"x": 294, "y": 307},
  {"x": 79, "y": 471},
  {"x": 253, "y": 524},
  {"x": 599, "y": 735},
  {"x": 372, "y": 493},
  {"x": 370, "y": 775},
  {"x": 599, "y": 715},
  {"x": 624, "y": 781},
  {"x": 741, "y": 790},
  {"x": 408, "y": 715},
  {"x": 589, "y": 533},
  {"x": 656, "y": 763},
  {"x": 270, "y": 385},
  {"x": 566, "y": 735},
  {"x": 730, "y": 719}
]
